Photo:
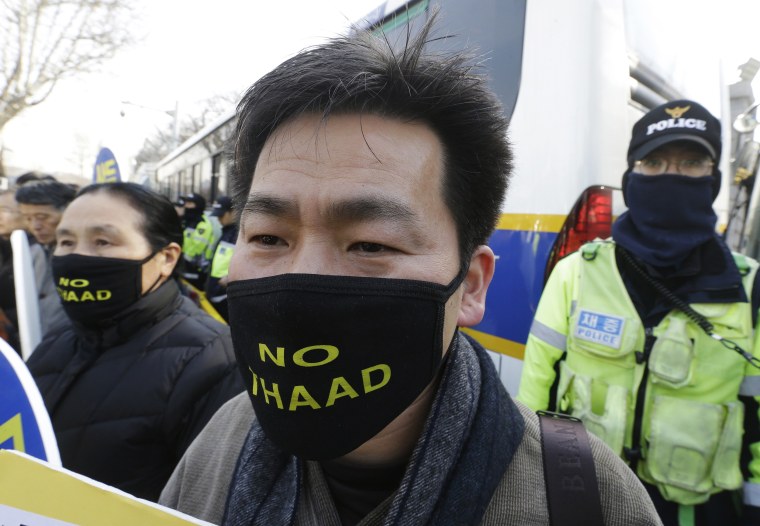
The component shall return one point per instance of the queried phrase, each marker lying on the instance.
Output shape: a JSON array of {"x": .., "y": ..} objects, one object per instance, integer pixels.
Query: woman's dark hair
[
  {"x": 363, "y": 74},
  {"x": 161, "y": 224}
]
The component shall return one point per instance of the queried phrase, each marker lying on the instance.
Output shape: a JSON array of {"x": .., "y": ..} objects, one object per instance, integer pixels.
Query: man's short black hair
[
  {"x": 46, "y": 192},
  {"x": 363, "y": 74},
  {"x": 27, "y": 177}
]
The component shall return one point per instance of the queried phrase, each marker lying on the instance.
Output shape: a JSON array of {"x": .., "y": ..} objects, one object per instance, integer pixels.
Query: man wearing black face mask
[
  {"x": 653, "y": 334},
  {"x": 368, "y": 181}
]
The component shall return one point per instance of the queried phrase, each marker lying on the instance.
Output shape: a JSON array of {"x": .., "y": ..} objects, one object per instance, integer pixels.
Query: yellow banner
[{"x": 33, "y": 490}]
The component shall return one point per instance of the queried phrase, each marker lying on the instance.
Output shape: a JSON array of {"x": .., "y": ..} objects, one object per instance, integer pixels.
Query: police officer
[
  {"x": 649, "y": 338},
  {"x": 202, "y": 233},
  {"x": 216, "y": 285},
  {"x": 179, "y": 207}
]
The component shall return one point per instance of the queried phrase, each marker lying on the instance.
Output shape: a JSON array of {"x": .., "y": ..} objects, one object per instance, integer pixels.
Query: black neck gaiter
[{"x": 668, "y": 217}]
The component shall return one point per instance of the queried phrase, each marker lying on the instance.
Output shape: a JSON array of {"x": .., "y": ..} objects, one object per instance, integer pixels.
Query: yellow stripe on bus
[
  {"x": 496, "y": 344},
  {"x": 531, "y": 222}
]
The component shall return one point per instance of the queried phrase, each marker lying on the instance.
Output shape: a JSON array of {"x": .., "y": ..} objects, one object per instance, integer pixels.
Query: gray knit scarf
[{"x": 469, "y": 439}]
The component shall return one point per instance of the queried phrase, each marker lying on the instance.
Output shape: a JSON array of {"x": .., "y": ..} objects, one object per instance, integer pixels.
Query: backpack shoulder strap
[{"x": 572, "y": 491}]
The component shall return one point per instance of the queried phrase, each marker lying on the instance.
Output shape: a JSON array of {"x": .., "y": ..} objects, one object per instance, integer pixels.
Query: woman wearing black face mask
[{"x": 141, "y": 369}]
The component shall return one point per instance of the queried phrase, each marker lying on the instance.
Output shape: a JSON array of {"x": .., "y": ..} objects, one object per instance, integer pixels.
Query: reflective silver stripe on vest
[
  {"x": 217, "y": 299},
  {"x": 752, "y": 494},
  {"x": 750, "y": 386},
  {"x": 548, "y": 335}
]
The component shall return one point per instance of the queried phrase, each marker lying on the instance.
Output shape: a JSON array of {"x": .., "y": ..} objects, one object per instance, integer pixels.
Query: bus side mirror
[{"x": 746, "y": 121}]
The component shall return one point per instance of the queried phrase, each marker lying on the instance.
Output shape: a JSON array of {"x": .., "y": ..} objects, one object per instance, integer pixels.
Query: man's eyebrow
[
  {"x": 270, "y": 205},
  {"x": 371, "y": 208}
]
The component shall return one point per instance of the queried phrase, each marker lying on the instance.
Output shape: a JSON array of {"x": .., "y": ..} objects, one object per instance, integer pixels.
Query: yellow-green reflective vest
[
  {"x": 692, "y": 421},
  {"x": 220, "y": 265},
  {"x": 199, "y": 243}
]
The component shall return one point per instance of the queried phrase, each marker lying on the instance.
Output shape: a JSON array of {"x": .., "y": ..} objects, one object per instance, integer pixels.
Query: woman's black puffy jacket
[{"x": 126, "y": 401}]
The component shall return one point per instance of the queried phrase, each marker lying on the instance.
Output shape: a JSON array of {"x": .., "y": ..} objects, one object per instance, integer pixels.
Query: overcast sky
[
  {"x": 192, "y": 50},
  {"x": 188, "y": 51}
]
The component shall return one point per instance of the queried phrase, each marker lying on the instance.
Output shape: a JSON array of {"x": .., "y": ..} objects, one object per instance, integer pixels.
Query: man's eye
[
  {"x": 366, "y": 246},
  {"x": 267, "y": 240},
  {"x": 102, "y": 242},
  {"x": 652, "y": 163},
  {"x": 65, "y": 243},
  {"x": 691, "y": 163}
]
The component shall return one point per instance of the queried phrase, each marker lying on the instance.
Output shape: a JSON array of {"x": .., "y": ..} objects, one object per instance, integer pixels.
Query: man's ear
[{"x": 476, "y": 284}]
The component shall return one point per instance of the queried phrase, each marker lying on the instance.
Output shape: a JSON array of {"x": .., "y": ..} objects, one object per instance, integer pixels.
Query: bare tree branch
[
  {"x": 45, "y": 41},
  {"x": 159, "y": 145}
]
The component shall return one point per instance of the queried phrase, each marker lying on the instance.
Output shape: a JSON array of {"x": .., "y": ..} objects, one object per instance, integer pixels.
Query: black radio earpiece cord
[{"x": 686, "y": 309}]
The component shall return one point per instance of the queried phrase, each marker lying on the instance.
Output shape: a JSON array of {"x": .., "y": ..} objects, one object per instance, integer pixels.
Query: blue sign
[
  {"x": 24, "y": 422},
  {"x": 106, "y": 168}
]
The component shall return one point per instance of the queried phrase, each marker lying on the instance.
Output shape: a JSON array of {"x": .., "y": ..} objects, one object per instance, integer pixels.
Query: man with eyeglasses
[{"x": 649, "y": 337}]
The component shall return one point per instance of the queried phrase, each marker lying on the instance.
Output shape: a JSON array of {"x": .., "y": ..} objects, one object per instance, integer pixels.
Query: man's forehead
[
  {"x": 384, "y": 166},
  {"x": 344, "y": 138}
]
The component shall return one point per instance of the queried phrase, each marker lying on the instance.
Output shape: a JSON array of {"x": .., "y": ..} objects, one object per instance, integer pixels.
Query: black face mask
[
  {"x": 95, "y": 289},
  {"x": 193, "y": 215},
  {"x": 329, "y": 361}
]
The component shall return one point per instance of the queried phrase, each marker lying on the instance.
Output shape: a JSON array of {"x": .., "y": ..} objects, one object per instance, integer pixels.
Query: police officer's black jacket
[{"x": 126, "y": 401}]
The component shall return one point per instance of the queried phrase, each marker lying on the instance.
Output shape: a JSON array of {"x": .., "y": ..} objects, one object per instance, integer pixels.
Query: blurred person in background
[
  {"x": 41, "y": 204},
  {"x": 201, "y": 234},
  {"x": 179, "y": 207},
  {"x": 140, "y": 369},
  {"x": 216, "y": 284}
]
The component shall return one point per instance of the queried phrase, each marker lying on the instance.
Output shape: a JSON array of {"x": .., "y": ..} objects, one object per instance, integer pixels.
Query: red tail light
[{"x": 590, "y": 218}]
